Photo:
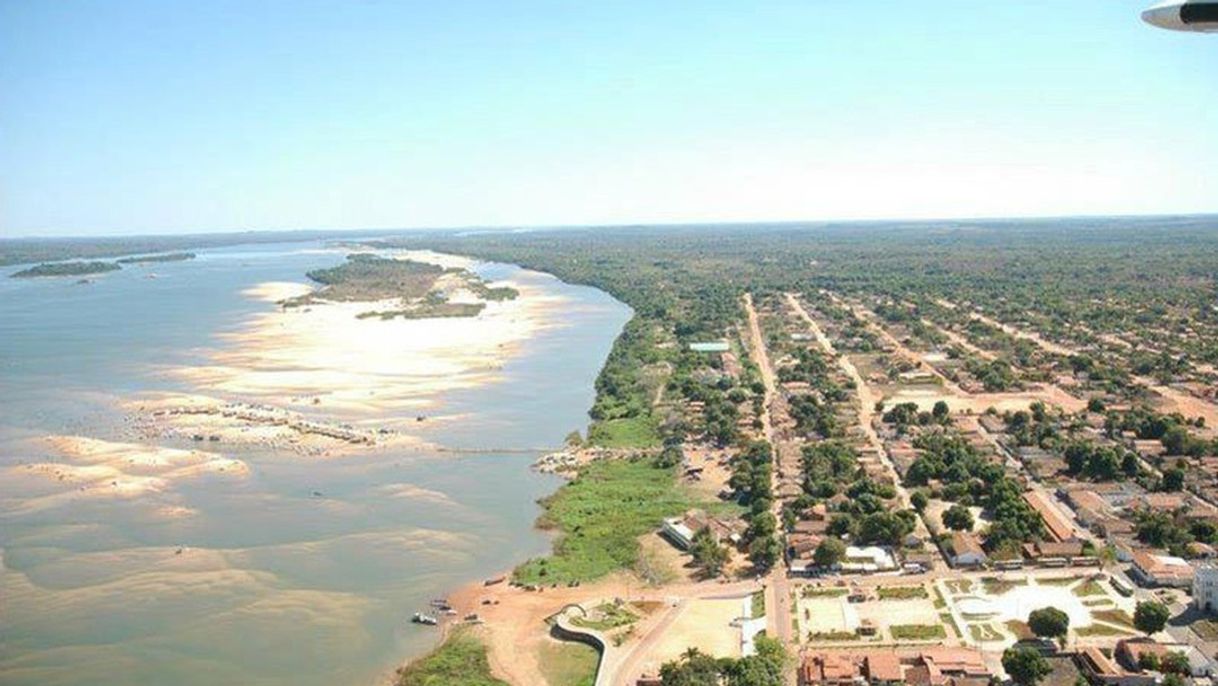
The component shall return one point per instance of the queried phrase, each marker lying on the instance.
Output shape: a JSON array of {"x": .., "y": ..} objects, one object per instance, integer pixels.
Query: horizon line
[{"x": 616, "y": 225}]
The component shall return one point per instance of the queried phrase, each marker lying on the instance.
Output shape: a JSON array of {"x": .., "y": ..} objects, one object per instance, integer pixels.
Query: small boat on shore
[{"x": 421, "y": 618}]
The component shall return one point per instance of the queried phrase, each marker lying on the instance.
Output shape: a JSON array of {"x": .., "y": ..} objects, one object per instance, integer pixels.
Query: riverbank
[{"x": 291, "y": 556}]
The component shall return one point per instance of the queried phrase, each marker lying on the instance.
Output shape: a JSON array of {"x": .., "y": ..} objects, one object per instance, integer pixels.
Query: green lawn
[
  {"x": 984, "y": 632},
  {"x": 815, "y": 592},
  {"x": 1118, "y": 617},
  {"x": 460, "y": 661},
  {"x": 1087, "y": 588},
  {"x": 565, "y": 663},
  {"x": 599, "y": 517},
  {"x": 901, "y": 592},
  {"x": 610, "y": 617},
  {"x": 632, "y": 432},
  {"x": 995, "y": 586},
  {"x": 758, "y": 604},
  {"x": 917, "y": 632},
  {"x": 1100, "y": 630},
  {"x": 1207, "y": 629}
]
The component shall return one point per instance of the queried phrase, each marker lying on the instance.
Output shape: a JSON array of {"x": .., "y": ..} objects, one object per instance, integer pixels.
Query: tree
[
  {"x": 1175, "y": 662},
  {"x": 958, "y": 518},
  {"x": 940, "y": 411},
  {"x": 695, "y": 668},
  {"x": 1049, "y": 622},
  {"x": 707, "y": 553},
  {"x": 1173, "y": 680},
  {"x": 1130, "y": 464},
  {"x": 764, "y": 552},
  {"x": 1025, "y": 665},
  {"x": 764, "y": 668},
  {"x": 1150, "y": 617},
  {"x": 919, "y": 500},
  {"x": 829, "y": 552},
  {"x": 1173, "y": 480}
]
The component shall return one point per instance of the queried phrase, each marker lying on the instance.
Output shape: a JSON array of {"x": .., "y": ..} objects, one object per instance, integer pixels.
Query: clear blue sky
[{"x": 166, "y": 116}]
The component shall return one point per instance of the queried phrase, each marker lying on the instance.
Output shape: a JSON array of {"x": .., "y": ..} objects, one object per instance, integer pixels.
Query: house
[
  {"x": 681, "y": 530},
  {"x": 868, "y": 559},
  {"x": 1102, "y": 669},
  {"x": 966, "y": 551},
  {"x": 710, "y": 347},
  {"x": 1129, "y": 653},
  {"x": 1056, "y": 524},
  {"x": 1205, "y": 588},
  {"x": 1053, "y": 553},
  {"x": 939, "y": 666},
  {"x": 1151, "y": 569}
]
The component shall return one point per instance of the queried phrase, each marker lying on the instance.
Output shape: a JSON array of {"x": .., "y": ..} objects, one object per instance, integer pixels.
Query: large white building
[{"x": 1205, "y": 588}]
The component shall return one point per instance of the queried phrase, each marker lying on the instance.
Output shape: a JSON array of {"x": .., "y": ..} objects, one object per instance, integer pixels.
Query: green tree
[
  {"x": 940, "y": 411},
  {"x": 919, "y": 501},
  {"x": 1049, "y": 622},
  {"x": 1025, "y": 665},
  {"x": 1150, "y": 617},
  {"x": 764, "y": 552},
  {"x": 708, "y": 555},
  {"x": 1175, "y": 662},
  {"x": 694, "y": 668},
  {"x": 1173, "y": 480},
  {"x": 829, "y": 552},
  {"x": 958, "y": 518}
]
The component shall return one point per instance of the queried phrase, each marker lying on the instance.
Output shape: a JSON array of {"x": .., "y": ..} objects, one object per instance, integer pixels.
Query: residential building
[
  {"x": 1057, "y": 525},
  {"x": 966, "y": 550},
  {"x": 1152, "y": 569},
  {"x": 939, "y": 666},
  {"x": 1205, "y": 588}
]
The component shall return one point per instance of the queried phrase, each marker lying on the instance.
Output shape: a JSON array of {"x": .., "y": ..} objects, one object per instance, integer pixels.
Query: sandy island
[{"x": 320, "y": 380}]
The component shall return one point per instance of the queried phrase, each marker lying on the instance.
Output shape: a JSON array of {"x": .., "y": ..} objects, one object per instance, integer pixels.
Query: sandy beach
[{"x": 319, "y": 379}]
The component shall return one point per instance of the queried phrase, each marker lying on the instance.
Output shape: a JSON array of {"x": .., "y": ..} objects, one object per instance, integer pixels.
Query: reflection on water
[{"x": 305, "y": 570}]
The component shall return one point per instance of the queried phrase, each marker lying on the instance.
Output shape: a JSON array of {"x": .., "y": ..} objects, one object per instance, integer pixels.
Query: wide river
[{"x": 306, "y": 570}]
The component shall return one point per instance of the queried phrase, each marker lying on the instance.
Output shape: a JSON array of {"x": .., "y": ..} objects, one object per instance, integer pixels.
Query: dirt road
[{"x": 778, "y": 595}]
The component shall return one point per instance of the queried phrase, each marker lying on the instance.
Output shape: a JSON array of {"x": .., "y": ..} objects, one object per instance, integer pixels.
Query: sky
[{"x": 163, "y": 117}]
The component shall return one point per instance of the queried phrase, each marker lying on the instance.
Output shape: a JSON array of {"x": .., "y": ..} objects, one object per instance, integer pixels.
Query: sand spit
[
  {"x": 324, "y": 359},
  {"x": 217, "y": 423},
  {"x": 86, "y": 468}
]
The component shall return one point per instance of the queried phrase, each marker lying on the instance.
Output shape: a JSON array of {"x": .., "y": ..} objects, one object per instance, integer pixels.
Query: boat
[{"x": 420, "y": 618}]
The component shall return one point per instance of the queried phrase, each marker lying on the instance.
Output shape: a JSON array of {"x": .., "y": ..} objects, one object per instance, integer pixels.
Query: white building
[
  {"x": 1205, "y": 588},
  {"x": 867, "y": 559}
]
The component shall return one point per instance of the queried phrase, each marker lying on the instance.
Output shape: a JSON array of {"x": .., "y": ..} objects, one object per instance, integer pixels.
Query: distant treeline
[
  {"x": 30, "y": 250},
  {"x": 67, "y": 269},
  {"x": 168, "y": 257}
]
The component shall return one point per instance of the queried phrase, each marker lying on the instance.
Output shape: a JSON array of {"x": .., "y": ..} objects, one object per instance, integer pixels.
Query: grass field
[
  {"x": 600, "y": 516},
  {"x": 757, "y": 604},
  {"x": 633, "y": 432},
  {"x": 460, "y": 661},
  {"x": 1101, "y": 630},
  {"x": 814, "y": 592},
  {"x": 610, "y": 616},
  {"x": 901, "y": 592},
  {"x": 917, "y": 632},
  {"x": 1207, "y": 629},
  {"x": 1118, "y": 617},
  {"x": 566, "y": 663},
  {"x": 1088, "y": 588}
]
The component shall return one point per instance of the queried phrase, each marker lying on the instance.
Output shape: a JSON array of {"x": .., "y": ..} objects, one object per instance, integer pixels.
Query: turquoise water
[{"x": 275, "y": 584}]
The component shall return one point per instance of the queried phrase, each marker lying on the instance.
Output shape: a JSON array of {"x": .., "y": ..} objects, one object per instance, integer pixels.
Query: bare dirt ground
[{"x": 703, "y": 624}]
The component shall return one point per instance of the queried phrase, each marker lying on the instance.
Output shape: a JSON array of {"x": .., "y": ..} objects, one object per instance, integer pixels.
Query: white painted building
[{"x": 1205, "y": 588}]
